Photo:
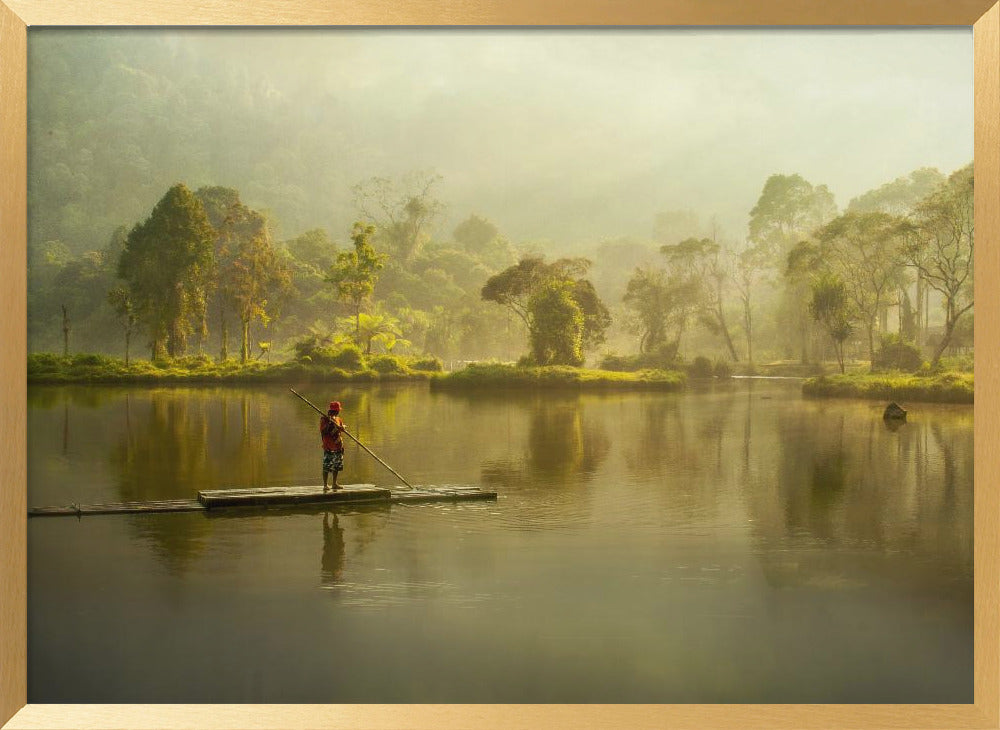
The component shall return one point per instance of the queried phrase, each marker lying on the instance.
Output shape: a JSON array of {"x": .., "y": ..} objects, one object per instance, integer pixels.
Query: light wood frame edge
[{"x": 16, "y": 15}]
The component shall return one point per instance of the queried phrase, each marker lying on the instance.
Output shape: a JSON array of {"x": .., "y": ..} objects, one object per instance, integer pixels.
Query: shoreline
[{"x": 947, "y": 387}]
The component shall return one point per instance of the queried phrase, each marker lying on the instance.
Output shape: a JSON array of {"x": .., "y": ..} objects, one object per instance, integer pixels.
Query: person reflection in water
[{"x": 332, "y": 567}]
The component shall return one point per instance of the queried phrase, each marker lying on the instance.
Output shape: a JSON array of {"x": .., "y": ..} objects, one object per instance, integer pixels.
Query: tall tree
[
  {"x": 940, "y": 242},
  {"x": 748, "y": 267},
  {"x": 403, "y": 211},
  {"x": 121, "y": 303},
  {"x": 355, "y": 272},
  {"x": 557, "y": 324},
  {"x": 516, "y": 287},
  {"x": 167, "y": 262},
  {"x": 258, "y": 275},
  {"x": 831, "y": 307},
  {"x": 900, "y": 198},
  {"x": 865, "y": 250},
  {"x": 663, "y": 306},
  {"x": 703, "y": 263},
  {"x": 788, "y": 210}
]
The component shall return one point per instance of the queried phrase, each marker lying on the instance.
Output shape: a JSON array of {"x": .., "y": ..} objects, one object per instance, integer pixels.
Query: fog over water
[{"x": 572, "y": 136}]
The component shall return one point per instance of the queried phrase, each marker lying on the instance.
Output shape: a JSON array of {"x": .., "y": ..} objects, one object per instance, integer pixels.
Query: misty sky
[{"x": 587, "y": 134}]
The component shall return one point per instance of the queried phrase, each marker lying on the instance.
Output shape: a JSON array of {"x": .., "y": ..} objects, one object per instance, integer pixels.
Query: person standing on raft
[{"x": 331, "y": 427}]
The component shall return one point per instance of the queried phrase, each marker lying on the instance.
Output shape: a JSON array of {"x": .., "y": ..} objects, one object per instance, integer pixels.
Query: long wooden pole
[{"x": 307, "y": 402}]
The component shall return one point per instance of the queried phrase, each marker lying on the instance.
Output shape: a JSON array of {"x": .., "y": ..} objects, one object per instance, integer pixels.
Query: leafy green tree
[
  {"x": 516, "y": 287},
  {"x": 802, "y": 264},
  {"x": 748, "y": 268},
  {"x": 831, "y": 307},
  {"x": 376, "y": 327},
  {"x": 246, "y": 265},
  {"x": 663, "y": 306},
  {"x": 865, "y": 251},
  {"x": 355, "y": 272},
  {"x": 789, "y": 209},
  {"x": 596, "y": 317},
  {"x": 940, "y": 241},
  {"x": 168, "y": 262},
  {"x": 557, "y": 324},
  {"x": 703, "y": 262},
  {"x": 121, "y": 303},
  {"x": 314, "y": 247},
  {"x": 402, "y": 211},
  {"x": 258, "y": 275},
  {"x": 513, "y": 287},
  {"x": 475, "y": 234},
  {"x": 900, "y": 198},
  {"x": 481, "y": 238}
]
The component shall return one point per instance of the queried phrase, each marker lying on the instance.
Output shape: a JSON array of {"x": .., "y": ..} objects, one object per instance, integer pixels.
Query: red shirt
[{"x": 332, "y": 441}]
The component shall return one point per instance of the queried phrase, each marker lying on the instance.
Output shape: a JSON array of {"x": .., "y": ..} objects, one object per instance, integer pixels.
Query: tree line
[
  {"x": 202, "y": 273},
  {"x": 824, "y": 272}
]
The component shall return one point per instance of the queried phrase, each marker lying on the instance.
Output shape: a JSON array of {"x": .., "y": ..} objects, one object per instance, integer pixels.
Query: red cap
[{"x": 335, "y": 406}]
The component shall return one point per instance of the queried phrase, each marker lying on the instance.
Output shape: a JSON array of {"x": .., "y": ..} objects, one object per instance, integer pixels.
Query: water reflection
[
  {"x": 563, "y": 444},
  {"x": 332, "y": 564},
  {"x": 641, "y": 542},
  {"x": 796, "y": 472}
]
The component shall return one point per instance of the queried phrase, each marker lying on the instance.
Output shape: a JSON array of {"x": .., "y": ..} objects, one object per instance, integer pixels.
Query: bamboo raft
[{"x": 212, "y": 500}]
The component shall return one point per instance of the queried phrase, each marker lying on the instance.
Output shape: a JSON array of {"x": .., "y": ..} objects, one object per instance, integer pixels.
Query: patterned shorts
[{"x": 333, "y": 461}]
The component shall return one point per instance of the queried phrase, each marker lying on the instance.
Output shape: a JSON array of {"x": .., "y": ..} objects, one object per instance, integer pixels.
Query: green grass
[
  {"x": 950, "y": 387},
  {"x": 557, "y": 376},
  {"x": 46, "y": 368}
]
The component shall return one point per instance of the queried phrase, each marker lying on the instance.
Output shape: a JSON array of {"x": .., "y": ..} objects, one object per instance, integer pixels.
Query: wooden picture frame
[{"x": 17, "y": 15}]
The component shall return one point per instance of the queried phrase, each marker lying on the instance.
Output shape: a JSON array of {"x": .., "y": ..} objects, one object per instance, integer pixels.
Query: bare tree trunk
[
  {"x": 949, "y": 326},
  {"x": 871, "y": 343},
  {"x": 920, "y": 308},
  {"x": 224, "y": 327},
  {"x": 245, "y": 339},
  {"x": 725, "y": 334},
  {"x": 357, "y": 323},
  {"x": 65, "y": 329}
]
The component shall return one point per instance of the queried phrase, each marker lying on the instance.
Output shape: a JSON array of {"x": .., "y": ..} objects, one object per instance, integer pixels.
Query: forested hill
[
  {"x": 116, "y": 118},
  {"x": 114, "y": 124},
  {"x": 568, "y": 137}
]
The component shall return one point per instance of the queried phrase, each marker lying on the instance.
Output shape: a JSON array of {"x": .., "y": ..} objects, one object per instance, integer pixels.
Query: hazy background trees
[{"x": 480, "y": 212}]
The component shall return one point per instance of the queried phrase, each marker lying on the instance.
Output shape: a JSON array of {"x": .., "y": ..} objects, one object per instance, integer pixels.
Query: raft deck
[{"x": 211, "y": 500}]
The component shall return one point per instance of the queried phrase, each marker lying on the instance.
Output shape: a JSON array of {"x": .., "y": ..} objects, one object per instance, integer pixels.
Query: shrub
[
  {"x": 619, "y": 363},
  {"x": 349, "y": 357},
  {"x": 701, "y": 367},
  {"x": 663, "y": 357},
  {"x": 312, "y": 350},
  {"x": 386, "y": 364},
  {"x": 722, "y": 369},
  {"x": 192, "y": 362},
  {"x": 427, "y": 364},
  {"x": 897, "y": 354},
  {"x": 89, "y": 359}
]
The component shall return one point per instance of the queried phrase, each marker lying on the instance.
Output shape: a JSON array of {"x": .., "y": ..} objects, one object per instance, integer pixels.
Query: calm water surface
[{"x": 730, "y": 544}]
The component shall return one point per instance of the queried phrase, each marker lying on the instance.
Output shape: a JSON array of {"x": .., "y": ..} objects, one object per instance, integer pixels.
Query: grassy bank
[
  {"x": 512, "y": 376},
  {"x": 939, "y": 388},
  {"x": 46, "y": 368}
]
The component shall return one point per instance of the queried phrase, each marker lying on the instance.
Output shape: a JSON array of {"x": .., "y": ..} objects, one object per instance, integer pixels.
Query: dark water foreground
[{"x": 731, "y": 545}]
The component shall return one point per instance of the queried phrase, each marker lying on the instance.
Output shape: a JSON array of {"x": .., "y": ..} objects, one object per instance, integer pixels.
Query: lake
[{"x": 731, "y": 543}]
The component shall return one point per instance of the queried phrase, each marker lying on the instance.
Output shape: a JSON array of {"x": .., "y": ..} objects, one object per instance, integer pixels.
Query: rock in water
[{"x": 894, "y": 412}]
